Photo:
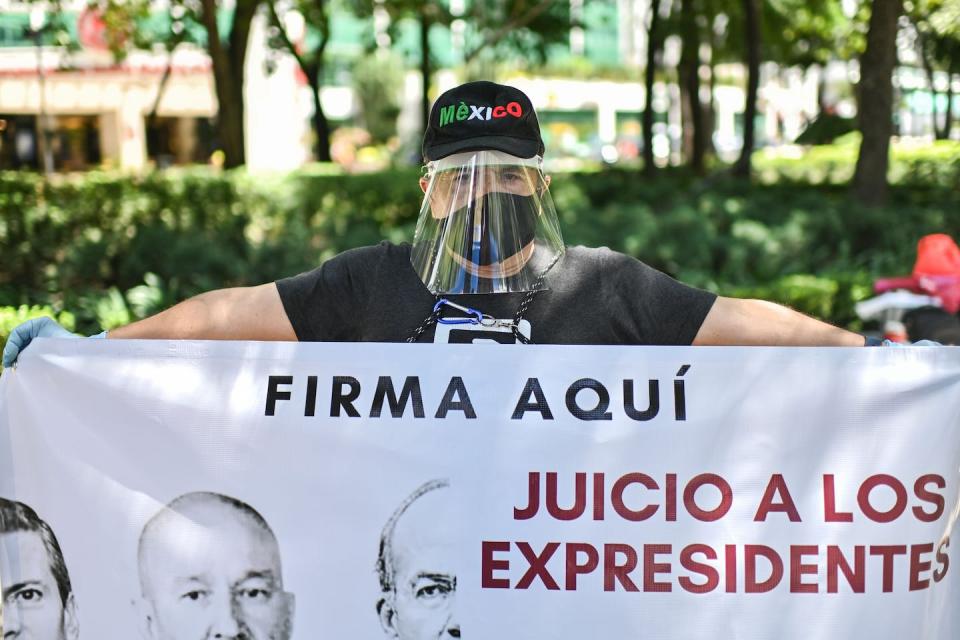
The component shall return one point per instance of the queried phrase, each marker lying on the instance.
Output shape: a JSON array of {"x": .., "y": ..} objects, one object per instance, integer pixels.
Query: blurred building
[{"x": 97, "y": 111}]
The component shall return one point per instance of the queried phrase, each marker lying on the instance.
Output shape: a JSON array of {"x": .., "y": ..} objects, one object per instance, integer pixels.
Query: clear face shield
[{"x": 487, "y": 225}]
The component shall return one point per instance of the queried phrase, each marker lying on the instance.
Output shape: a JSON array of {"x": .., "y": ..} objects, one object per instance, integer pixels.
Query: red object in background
[
  {"x": 92, "y": 30},
  {"x": 937, "y": 255},
  {"x": 935, "y": 273}
]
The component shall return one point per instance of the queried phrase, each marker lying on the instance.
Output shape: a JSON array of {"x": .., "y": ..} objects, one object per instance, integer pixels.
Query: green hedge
[{"x": 111, "y": 248}]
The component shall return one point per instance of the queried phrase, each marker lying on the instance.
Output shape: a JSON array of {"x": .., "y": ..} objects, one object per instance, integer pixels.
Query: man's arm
[
  {"x": 732, "y": 321},
  {"x": 242, "y": 313}
]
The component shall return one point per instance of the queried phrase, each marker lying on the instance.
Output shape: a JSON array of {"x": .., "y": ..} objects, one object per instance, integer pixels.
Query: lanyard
[{"x": 475, "y": 317}]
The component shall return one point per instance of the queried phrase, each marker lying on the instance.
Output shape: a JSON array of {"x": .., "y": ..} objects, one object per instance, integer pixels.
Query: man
[
  {"x": 38, "y": 602},
  {"x": 210, "y": 568},
  {"x": 487, "y": 240},
  {"x": 416, "y": 565}
]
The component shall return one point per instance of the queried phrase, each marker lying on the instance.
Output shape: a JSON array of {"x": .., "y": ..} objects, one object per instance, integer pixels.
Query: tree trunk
[
  {"x": 821, "y": 89},
  {"x": 691, "y": 109},
  {"x": 228, "y": 62},
  {"x": 751, "y": 10},
  {"x": 161, "y": 89},
  {"x": 321, "y": 126},
  {"x": 928, "y": 71},
  {"x": 654, "y": 45},
  {"x": 710, "y": 114},
  {"x": 948, "y": 125},
  {"x": 311, "y": 64},
  {"x": 876, "y": 102},
  {"x": 425, "y": 23}
]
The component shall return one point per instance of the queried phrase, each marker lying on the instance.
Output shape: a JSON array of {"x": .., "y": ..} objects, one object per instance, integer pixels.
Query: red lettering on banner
[
  {"x": 575, "y": 568},
  {"x": 705, "y": 570},
  {"x": 764, "y": 567},
  {"x": 863, "y": 498},
  {"x": 651, "y": 568},
  {"x": 612, "y": 570},
  {"x": 856, "y": 577},
  {"x": 533, "y": 502},
  {"x": 488, "y": 565},
  {"x": 830, "y": 513},
  {"x": 730, "y": 568},
  {"x": 699, "y": 571},
  {"x": 690, "y": 491},
  {"x": 616, "y": 496},
  {"x": 798, "y": 568},
  {"x": 888, "y": 552},
  {"x": 671, "y": 490},
  {"x": 943, "y": 560},
  {"x": 777, "y": 485},
  {"x": 599, "y": 499},
  {"x": 918, "y": 566},
  {"x": 750, "y": 553},
  {"x": 579, "y": 501},
  {"x": 920, "y": 490},
  {"x": 538, "y": 566}
]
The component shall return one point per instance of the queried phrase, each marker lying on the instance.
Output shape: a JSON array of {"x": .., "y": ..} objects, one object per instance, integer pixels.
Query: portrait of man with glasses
[{"x": 416, "y": 566}]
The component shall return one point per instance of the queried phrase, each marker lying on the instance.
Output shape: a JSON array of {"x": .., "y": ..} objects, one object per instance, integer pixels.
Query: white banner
[{"x": 187, "y": 490}]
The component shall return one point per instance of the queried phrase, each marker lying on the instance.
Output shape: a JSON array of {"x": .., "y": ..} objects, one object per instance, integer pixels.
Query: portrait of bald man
[
  {"x": 210, "y": 568},
  {"x": 38, "y": 602},
  {"x": 417, "y": 567}
]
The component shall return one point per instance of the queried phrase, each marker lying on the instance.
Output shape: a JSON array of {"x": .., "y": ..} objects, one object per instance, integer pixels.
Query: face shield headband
[{"x": 487, "y": 225}]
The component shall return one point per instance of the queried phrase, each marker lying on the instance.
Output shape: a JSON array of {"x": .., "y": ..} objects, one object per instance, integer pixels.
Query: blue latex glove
[
  {"x": 918, "y": 343},
  {"x": 23, "y": 334}
]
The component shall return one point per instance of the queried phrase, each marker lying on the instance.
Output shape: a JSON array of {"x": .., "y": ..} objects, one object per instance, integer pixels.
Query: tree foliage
[
  {"x": 811, "y": 32},
  {"x": 936, "y": 26},
  {"x": 378, "y": 82},
  {"x": 516, "y": 29},
  {"x": 134, "y": 24}
]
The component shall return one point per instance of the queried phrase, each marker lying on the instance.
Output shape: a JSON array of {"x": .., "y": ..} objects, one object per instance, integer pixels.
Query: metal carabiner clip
[
  {"x": 490, "y": 322},
  {"x": 476, "y": 319}
]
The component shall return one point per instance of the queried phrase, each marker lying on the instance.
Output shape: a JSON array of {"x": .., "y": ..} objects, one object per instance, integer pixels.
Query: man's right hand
[{"x": 23, "y": 334}]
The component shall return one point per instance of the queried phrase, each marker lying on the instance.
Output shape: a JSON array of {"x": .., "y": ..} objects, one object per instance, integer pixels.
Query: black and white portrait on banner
[
  {"x": 37, "y": 595},
  {"x": 209, "y": 567},
  {"x": 416, "y": 566}
]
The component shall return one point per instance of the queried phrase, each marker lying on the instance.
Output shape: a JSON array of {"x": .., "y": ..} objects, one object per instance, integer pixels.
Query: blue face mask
[{"x": 507, "y": 221}]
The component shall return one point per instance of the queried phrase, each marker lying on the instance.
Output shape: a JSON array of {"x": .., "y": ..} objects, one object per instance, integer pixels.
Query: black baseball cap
[{"x": 482, "y": 115}]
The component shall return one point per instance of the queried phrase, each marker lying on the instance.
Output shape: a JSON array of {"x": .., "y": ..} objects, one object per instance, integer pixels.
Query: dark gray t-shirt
[{"x": 593, "y": 296}]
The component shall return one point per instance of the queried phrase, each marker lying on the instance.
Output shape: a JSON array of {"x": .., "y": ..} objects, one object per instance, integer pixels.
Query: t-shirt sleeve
[
  {"x": 650, "y": 304},
  {"x": 328, "y": 303}
]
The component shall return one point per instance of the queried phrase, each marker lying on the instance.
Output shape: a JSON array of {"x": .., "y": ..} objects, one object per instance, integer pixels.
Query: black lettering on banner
[
  {"x": 310, "y": 406},
  {"x": 539, "y": 402},
  {"x": 339, "y": 400},
  {"x": 456, "y": 388},
  {"x": 603, "y": 400},
  {"x": 679, "y": 395},
  {"x": 653, "y": 405},
  {"x": 410, "y": 391},
  {"x": 274, "y": 393}
]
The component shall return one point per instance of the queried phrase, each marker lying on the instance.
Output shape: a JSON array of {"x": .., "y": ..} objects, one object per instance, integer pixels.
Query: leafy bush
[
  {"x": 113, "y": 248},
  {"x": 928, "y": 165}
]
